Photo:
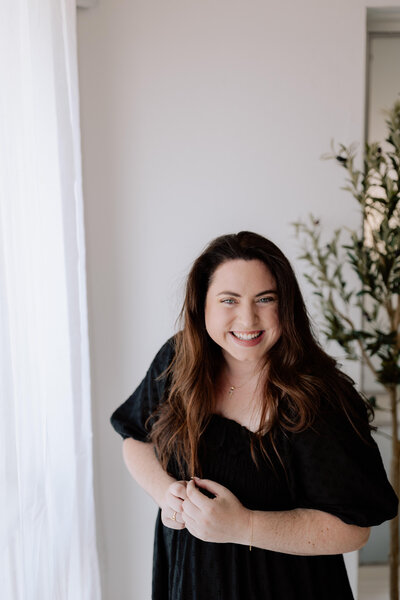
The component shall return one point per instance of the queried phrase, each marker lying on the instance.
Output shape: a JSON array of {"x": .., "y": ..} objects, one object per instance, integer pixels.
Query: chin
[{"x": 246, "y": 356}]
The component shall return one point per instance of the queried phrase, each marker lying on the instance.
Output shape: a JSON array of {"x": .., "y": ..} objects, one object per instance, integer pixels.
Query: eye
[
  {"x": 228, "y": 301},
  {"x": 266, "y": 299}
]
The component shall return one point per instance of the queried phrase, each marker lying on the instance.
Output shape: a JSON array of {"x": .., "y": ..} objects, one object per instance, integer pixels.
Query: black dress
[{"x": 333, "y": 471}]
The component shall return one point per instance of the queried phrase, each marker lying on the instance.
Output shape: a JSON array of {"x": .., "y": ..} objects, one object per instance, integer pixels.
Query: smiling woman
[
  {"x": 255, "y": 446},
  {"x": 244, "y": 318}
]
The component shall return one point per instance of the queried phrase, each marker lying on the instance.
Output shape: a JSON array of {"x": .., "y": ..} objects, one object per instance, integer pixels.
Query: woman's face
[{"x": 241, "y": 310}]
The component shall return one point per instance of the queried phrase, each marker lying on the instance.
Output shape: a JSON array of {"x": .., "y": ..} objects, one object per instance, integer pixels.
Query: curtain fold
[{"x": 47, "y": 524}]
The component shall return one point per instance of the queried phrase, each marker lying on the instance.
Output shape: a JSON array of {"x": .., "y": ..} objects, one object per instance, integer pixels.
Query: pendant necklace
[{"x": 233, "y": 388}]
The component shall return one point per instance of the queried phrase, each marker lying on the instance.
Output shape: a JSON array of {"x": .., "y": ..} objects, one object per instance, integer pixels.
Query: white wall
[{"x": 198, "y": 118}]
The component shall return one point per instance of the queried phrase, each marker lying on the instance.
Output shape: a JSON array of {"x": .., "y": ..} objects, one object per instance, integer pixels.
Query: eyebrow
[{"x": 227, "y": 293}]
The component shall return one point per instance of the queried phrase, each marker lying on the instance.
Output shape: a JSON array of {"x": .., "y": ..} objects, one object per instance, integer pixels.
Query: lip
[{"x": 248, "y": 343}]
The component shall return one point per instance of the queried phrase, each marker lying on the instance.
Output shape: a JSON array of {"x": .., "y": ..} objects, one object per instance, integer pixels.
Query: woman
[{"x": 256, "y": 448}]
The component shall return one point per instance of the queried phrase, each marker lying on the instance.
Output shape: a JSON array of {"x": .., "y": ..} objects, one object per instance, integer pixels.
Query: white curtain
[{"x": 47, "y": 523}]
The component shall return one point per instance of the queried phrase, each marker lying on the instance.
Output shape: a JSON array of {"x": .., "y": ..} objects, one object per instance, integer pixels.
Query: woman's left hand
[{"x": 220, "y": 519}]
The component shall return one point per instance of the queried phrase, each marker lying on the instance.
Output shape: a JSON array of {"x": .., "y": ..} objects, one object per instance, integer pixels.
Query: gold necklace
[{"x": 233, "y": 388}]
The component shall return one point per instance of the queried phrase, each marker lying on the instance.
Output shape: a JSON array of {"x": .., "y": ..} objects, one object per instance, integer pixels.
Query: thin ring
[{"x": 173, "y": 518}]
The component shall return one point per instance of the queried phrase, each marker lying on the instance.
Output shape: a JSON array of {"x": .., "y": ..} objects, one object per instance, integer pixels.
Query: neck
[{"x": 239, "y": 371}]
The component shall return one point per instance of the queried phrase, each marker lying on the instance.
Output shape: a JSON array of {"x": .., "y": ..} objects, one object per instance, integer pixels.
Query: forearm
[
  {"x": 304, "y": 532},
  {"x": 145, "y": 468}
]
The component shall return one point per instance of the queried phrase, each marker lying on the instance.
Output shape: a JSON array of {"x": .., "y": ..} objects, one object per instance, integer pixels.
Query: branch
[
  {"x": 391, "y": 313},
  {"x": 363, "y": 351},
  {"x": 397, "y": 321}
]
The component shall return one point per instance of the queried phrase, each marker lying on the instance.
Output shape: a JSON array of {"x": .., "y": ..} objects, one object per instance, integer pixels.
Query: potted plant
[{"x": 361, "y": 311}]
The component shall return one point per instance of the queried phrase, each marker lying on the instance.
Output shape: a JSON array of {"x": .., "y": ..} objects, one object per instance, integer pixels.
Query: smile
[
  {"x": 247, "y": 339},
  {"x": 253, "y": 335}
]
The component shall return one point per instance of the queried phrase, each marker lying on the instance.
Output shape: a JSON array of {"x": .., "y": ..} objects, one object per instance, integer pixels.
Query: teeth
[{"x": 246, "y": 336}]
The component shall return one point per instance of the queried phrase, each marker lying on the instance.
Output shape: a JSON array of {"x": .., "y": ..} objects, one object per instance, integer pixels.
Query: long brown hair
[{"x": 301, "y": 375}]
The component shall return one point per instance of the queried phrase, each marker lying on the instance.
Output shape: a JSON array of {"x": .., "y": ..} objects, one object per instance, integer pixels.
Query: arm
[
  {"x": 300, "y": 531},
  {"x": 168, "y": 493},
  {"x": 305, "y": 532},
  {"x": 143, "y": 465}
]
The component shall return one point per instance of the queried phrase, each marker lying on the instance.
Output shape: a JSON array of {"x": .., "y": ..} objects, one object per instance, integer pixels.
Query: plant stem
[
  {"x": 359, "y": 342},
  {"x": 395, "y": 480}
]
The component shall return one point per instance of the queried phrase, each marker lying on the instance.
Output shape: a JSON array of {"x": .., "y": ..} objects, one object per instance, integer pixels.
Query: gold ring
[{"x": 173, "y": 518}]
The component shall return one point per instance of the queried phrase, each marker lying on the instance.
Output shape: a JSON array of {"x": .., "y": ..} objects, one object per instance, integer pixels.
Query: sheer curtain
[{"x": 47, "y": 524}]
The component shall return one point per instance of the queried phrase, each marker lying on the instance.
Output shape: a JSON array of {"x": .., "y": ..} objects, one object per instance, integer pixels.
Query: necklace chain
[{"x": 233, "y": 388}]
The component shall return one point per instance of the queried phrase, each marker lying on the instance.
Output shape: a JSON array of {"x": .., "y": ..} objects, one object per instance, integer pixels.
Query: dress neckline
[{"x": 232, "y": 422}]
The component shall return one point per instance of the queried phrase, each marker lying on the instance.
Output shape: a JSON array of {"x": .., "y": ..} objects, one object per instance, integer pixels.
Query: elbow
[
  {"x": 365, "y": 535},
  {"x": 362, "y": 537}
]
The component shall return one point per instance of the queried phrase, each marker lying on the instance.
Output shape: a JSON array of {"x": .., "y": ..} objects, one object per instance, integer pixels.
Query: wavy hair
[{"x": 301, "y": 376}]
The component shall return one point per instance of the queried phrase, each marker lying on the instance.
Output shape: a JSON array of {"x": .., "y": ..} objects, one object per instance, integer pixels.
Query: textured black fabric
[{"x": 327, "y": 468}]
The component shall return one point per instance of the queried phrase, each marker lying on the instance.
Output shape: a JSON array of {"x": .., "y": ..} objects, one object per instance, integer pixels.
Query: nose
[{"x": 248, "y": 317}]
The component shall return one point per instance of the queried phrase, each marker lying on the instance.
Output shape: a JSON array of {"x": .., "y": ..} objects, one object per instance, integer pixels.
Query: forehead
[{"x": 243, "y": 275}]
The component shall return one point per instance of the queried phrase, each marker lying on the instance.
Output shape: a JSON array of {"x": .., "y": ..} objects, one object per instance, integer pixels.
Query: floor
[{"x": 373, "y": 582}]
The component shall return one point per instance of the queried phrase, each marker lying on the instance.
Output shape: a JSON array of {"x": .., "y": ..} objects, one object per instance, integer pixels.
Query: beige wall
[{"x": 198, "y": 118}]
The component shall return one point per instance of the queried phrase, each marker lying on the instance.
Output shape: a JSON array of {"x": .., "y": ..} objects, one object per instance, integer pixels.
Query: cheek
[
  {"x": 209, "y": 320},
  {"x": 216, "y": 321},
  {"x": 274, "y": 321},
  {"x": 278, "y": 329},
  {"x": 276, "y": 316}
]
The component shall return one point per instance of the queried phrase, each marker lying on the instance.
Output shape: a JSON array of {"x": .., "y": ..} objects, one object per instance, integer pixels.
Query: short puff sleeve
[
  {"x": 337, "y": 472},
  {"x": 129, "y": 419}
]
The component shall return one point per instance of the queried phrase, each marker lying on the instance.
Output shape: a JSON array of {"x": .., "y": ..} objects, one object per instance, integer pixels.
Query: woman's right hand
[{"x": 171, "y": 511}]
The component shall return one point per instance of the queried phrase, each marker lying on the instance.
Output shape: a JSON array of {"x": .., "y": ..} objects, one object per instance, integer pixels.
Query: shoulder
[
  {"x": 338, "y": 424},
  {"x": 342, "y": 407},
  {"x": 130, "y": 418},
  {"x": 165, "y": 355},
  {"x": 337, "y": 410},
  {"x": 348, "y": 412}
]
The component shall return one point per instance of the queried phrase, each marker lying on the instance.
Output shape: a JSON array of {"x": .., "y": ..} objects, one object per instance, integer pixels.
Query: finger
[
  {"x": 173, "y": 524},
  {"x": 174, "y": 503},
  {"x": 189, "y": 509},
  {"x": 178, "y": 489},
  {"x": 176, "y": 516},
  {"x": 192, "y": 527},
  {"x": 196, "y": 497},
  {"x": 211, "y": 486},
  {"x": 202, "y": 500},
  {"x": 189, "y": 522}
]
